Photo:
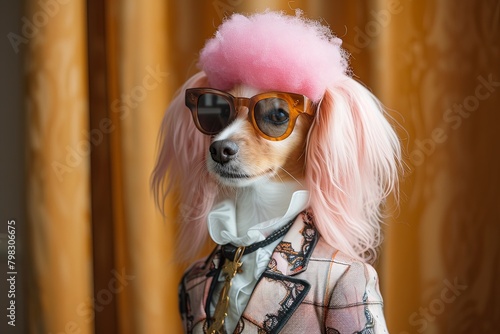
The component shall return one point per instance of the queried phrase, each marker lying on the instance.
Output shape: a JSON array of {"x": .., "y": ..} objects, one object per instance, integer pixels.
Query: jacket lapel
[
  {"x": 278, "y": 293},
  {"x": 198, "y": 282}
]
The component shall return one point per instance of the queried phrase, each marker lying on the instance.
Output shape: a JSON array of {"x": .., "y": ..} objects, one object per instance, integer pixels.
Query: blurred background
[{"x": 84, "y": 87}]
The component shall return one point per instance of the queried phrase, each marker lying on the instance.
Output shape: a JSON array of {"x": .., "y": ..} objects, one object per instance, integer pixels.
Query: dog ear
[
  {"x": 353, "y": 157},
  {"x": 180, "y": 170}
]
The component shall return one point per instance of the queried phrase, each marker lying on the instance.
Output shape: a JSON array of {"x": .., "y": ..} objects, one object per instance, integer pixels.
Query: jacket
[{"x": 308, "y": 287}]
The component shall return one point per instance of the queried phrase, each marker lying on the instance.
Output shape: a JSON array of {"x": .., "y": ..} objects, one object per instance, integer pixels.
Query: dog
[{"x": 274, "y": 135}]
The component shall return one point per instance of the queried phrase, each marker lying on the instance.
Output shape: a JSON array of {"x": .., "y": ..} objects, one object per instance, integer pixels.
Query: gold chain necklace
[{"x": 230, "y": 269}]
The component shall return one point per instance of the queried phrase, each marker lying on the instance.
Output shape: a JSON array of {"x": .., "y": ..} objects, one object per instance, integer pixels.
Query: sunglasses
[{"x": 273, "y": 114}]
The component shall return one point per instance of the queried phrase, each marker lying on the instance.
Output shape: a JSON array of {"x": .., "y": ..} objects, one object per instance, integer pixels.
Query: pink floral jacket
[{"x": 308, "y": 287}]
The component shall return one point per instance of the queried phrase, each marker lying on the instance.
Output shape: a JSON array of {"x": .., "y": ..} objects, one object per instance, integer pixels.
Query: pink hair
[
  {"x": 352, "y": 154},
  {"x": 352, "y": 162}
]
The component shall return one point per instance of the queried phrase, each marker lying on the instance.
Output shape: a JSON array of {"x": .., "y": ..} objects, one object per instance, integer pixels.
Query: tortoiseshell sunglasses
[{"x": 272, "y": 114}]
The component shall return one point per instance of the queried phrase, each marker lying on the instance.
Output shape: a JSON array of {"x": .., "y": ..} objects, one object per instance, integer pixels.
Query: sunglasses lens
[
  {"x": 214, "y": 112},
  {"x": 272, "y": 116}
]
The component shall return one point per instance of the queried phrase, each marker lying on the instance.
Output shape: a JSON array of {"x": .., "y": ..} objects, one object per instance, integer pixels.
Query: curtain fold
[
  {"x": 146, "y": 249},
  {"x": 58, "y": 153},
  {"x": 442, "y": 77}
]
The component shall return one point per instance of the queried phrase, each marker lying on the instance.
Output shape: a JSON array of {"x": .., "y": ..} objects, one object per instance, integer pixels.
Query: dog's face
[{"x": 238, "y": 156}]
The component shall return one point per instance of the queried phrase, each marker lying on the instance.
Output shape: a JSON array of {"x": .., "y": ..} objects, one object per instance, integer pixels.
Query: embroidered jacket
[{"x": 308, "y": 287}]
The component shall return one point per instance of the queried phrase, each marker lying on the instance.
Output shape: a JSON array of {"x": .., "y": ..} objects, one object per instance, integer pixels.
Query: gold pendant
[{"x": 230, "y": 269}]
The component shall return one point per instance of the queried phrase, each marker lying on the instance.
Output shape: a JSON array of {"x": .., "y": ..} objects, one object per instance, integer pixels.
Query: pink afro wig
[{"x": 274, "y": 51}]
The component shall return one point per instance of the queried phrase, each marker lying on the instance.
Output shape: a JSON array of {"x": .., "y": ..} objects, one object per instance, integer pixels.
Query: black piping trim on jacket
[
  {"x": 284, "y": 315},
  {"x": 213, "y": 285}
]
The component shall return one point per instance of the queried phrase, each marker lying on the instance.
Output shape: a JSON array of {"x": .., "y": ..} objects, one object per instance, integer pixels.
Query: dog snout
[{"x": 223, "y": 151}]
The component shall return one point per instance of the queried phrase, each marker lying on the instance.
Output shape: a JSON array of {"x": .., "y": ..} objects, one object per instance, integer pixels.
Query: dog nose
[{"x": 222, "y": 151}]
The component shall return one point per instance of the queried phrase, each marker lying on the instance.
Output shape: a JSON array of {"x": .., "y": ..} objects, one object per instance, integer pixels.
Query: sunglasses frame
[{"x": 298, "y": 105}]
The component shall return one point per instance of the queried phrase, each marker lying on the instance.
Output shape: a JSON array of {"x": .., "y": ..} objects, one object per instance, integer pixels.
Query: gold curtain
[
  {"x": 60, "y": 258},
  {"x": 441, "y": 74},
  {"x": 99, "y": 76}
]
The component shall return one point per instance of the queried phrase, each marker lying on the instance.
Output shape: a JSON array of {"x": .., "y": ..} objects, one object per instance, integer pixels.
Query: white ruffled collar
[{"x": 234, "y": 222}]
